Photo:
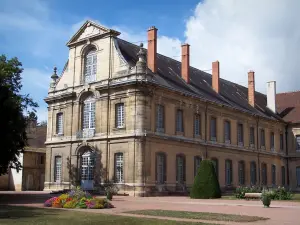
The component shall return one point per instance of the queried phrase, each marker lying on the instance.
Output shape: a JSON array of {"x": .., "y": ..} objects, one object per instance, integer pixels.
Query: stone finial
[
  {"x": 54, "y": 77},
  {"x": 141, "y": 63}
]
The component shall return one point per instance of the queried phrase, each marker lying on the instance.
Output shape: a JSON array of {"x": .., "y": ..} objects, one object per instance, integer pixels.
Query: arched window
[
  {"x": 242, "y": 172},
  {"x": 228, "y": 172},
  {"x": 161, "y": 168},
  {"x": 216, "y": 165},
  {"x": 90, "y": 69},
  {"x": 264, "y": 177},
  {"x": 180, "y": 169},
  {"x": 57, "y": 168},
  {"x": 253, "y": 173},
  {"x": 89, "y": 113},
  {"x": 197, "y": 161}
]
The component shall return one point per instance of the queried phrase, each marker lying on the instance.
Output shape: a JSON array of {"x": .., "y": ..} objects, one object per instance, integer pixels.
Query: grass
[
  {"x": 18, "y": 215},
  {"x": 199, "y": 215}
]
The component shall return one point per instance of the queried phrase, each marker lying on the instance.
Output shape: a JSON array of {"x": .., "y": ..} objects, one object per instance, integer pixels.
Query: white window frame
[
  {"x": 119, "y": 167},
  {"x": 120, "y": 115},
  {"x": 160, "y": 120},
  {"x": 59, "y": 123},
  {"x": 57, "y": 169},
  {"x": 89, "y": 113},
  {"x": 90, "y": 70}
]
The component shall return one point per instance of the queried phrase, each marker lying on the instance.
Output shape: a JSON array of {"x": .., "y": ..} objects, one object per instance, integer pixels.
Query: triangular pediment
[{"x": 90, "y": 29}]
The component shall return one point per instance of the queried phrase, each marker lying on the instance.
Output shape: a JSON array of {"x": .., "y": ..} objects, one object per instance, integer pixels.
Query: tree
[
  {"x": 15, "y": 112},
  {"x": 206, "y": 184}
]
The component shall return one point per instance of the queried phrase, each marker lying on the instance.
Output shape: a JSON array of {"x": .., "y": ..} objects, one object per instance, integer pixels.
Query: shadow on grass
[{"x": 24, "y": 198}]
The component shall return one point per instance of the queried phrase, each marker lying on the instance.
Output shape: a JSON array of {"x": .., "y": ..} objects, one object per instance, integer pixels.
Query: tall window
[
  {"x": 252, "y": 139},
  {"x": 197, "y": 125},
  {"x": 59, "y": 123},
  {"x": 283, "y": 176},
  {"x": 89, "y": 114},
  {"x": 213, "y": 129},
  {"x": 179, "y": 120},
  {"x": 197, "y": 161},
  {"x": 272, "y": 141},
  {"x": 119, "y": 168},
  {"x": 253, "y": 173},
  {"x": 297, "y": 142},
  {"x": 264, "y": 177},
  {"x": 281, "y": 142},
  {"x": 160, "y": 114},
  {"x": 180, "y": 169},
  {"x": 241, "y": 172},
  {"x": 120, "y": 115},
  {"x": 57, "y": 169},
  {"x": 262, "y": 138},
  {"x": 161, "y": 174},
  {"x": 90, "y": 66},
  {"x": 228, "y": 172},
  {"x": 273, "y": 175},
  {"x": 227, "y": 130},
  {"x": 216, "y": 165},
  {"x": 298, "y": 176},
  {"x": 240, "y": 131}
]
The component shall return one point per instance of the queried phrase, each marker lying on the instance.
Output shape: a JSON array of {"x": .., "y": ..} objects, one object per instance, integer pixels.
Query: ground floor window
[
  {"x": 57, "y": 169},
  {"x": 216, "y": 165},
  {"x": 228, "y": 172},
  {"x": 298, "y": 176},
  {"x": 180, "y": 169},
  {"x": 283, "y": 176},
  {"x": 197, "y": 161},
  {"x": 241, "y": 172},
  {"x": 264, "y": 177},
  {"x": 273, "y": 175},
  {"x": 160, "y": 168},
  {"x": 253, "y": 173},
  {"x": 119, "y": 168}
]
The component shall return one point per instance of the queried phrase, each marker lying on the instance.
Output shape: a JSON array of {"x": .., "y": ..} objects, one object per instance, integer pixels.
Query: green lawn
[
  {"x": 18, "y": 215},
  {"x": 199, "y": 215}
]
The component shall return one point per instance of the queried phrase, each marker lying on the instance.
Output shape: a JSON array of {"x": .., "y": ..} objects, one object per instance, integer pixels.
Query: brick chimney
[
  {"x": 216, "y": 76},
  {"x": 251, "y": 88},
  {"x": 152, "y": 49},
  {"x": 185, "y": 62}
]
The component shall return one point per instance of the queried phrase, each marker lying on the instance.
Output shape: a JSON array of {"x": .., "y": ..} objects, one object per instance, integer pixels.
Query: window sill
[
  {"x": 241, "y": 144},
  {"x": 197, "y": 136},
  {"x": 179, "y": 133},
  {"x": 119, "y": 128},
  {"x": 58, "y": 135},
  {"x": 160, "y": 130},
  {"x": 227, "y": 142}
]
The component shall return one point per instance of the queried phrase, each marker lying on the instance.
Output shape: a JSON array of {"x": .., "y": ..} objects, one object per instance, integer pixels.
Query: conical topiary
[{"x": 206, "y": 184}]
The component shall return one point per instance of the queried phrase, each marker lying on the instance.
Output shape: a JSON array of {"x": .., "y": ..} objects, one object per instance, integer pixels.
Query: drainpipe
[{"x": 287, "y": 159}]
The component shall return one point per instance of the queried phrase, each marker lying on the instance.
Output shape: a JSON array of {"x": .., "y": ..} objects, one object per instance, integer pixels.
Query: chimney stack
[
  {"x": 271, "y": 95},
  {"x": 216, "y": 76},
  {"x": 152, "y": 49},
  {"x": 185, "y": 62},
  {"x": 251, "y": 88}
]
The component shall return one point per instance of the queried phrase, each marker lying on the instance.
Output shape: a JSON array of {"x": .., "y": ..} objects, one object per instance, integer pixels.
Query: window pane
[
  {"x": 180, "y": 169},
  {"x": 119, "y": 177},
  {"x": 281, "y": 141},
  {"x": 241, "y": 173},
  {"x": 197, "y": 126},
  {"x": 262, "y": 138},
  {"x": 227, "y": 131},
  {"x": 282, "y": 175},
  {"x": 273, "y": 175},
  {"x": 120, "y": 115},
  {"x": 240, "y": 133},
  {"x": 297, "y": 142},
  {"x": 215, "y": 162},
  {"x": 179, "y": 121},
  {"x": 298, "y": 176},
  {"x": 160, "y": 168},
  {"x": 197, "y": 164},
  {"x": 272, "y": 141},
  {"x": 89, "y": 114},
  {"x": 59, "y": 123},
  {"x": 228, "y": 171},
  {"x": 213, "y": 127},
  {"x": 90, "y": 67},
  {"x": 253, "y": 173},
  {"x": 160, "y": 118},
  {"x": 57, "y": 172}
]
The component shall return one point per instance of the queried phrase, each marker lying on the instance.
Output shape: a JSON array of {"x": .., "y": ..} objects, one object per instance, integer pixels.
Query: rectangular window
[
  {"x": 240, "y": 131},
  {"x": 228, "y": 170},
  {"x": 89, "y": 115},
  {"x": 213, "y": 129},
  {"x": 57, "y": 170},
  {"x": 227, "y": 131},
  {"x": 297, "y": 142},
  {"x": 180, "y": 166},
  {"x": 197, "y": 125},
  {"x": 273, "y": 175},
  {"x": 59, "y": 123},
  {"x": 253, "y": 173},
  {"x": 241, "y": 173},
  {"x": 262, "y": 139},
  {"x": 252, "y": 139},
  {"x": 281, "y": 142},
  {"x": 216, "y": 165},
  {"x": 90, "y": 67},
  {"x": 272, "y": 141},
  {"x": 179, "y": 120},
  {"x": 264, "y": 177},
  {"x": 160, "y": 114},
  {"x": 161, "y": 168},
  {"x": 119, "y": 173},
  {"x": 120, "y": 115},
  {"x": 283, "y": 176},
  {"x": 298, "y": 176},
  {"x": 197, "y": 161}
]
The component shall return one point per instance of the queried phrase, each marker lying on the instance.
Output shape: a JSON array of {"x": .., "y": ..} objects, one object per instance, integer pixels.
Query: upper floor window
[
  {"x": 119, "y": 168},
  {"x": 298, "y": 142},
  {"x": 197, "y": 161},
  {"x": 89, "y": 113},
  {"x": 281, "y": 142},
  {"x": 252, "y": 139},
  {"x": 179, "y": 120},
  {"x": 120, "y": 115},
  {"x": 161, "y": 173},
  {"x": 227, "y": 131},
  {"x": 90, "y": 66},
  {"x": 272, "y": 141},
  {"x": 180, "y": 169},
  {"x": 57, "y": 168},
  {"x": 197, "y": 125},
  {"x": 240, "y": 133},
  {"x": 253, "y": 173},
  {"x": 262, "y": 138},
  {"x": 160, "y": 115},
  {"x": 59, "y": 123},
  {"x": 213, "y": 129}
]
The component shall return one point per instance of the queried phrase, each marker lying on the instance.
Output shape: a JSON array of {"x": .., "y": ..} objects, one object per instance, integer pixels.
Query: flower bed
[{"x": 78, "y": 199}]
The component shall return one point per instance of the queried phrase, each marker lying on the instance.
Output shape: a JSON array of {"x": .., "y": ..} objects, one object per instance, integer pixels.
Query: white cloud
[
  {"x": 35, "y": 78},
  {"x": 260, "y": 35}
]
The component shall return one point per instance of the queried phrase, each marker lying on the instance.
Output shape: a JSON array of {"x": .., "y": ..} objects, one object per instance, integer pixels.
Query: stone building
[
  {"x": 145, "y": 121},
  {"x": 32, "y": 175}
]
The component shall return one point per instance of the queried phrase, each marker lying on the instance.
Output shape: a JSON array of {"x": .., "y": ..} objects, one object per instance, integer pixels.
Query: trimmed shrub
[{"x": 206, "y": 184}]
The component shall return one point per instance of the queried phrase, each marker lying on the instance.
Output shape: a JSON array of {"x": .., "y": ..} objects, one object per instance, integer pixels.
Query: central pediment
[{"x": 90, "y": 29}]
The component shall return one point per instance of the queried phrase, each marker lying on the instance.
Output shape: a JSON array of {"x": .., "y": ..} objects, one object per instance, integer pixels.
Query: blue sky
[{"x": 243, "y": 35}]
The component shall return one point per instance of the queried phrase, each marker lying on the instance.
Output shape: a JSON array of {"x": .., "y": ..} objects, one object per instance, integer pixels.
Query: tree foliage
[
  {"x": 15, "y": 112},
  {"x": 206, "y": 184}
]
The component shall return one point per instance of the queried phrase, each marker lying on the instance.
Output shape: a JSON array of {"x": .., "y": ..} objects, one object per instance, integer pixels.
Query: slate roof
[
  {"x": 169, "y": 75},
  {"x": 288, "y": 106}
]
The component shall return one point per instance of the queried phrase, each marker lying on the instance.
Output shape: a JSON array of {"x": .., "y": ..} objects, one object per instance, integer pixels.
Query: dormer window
[{"x": 90, "y": 70}]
